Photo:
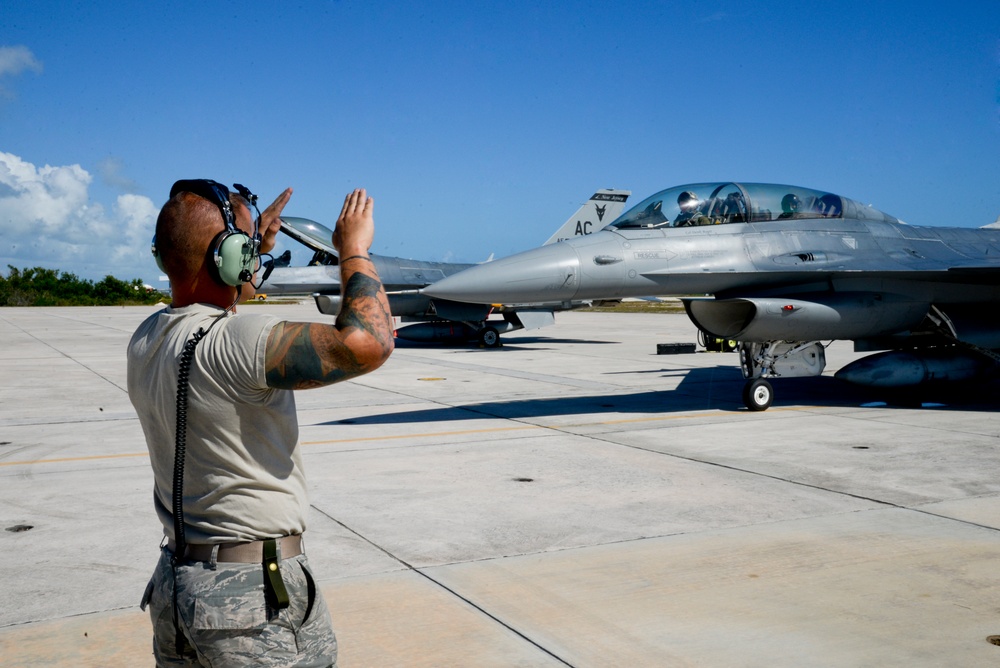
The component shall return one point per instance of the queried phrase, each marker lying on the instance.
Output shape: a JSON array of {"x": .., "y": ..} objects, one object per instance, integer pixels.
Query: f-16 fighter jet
[{"x": 787, "y": 268}]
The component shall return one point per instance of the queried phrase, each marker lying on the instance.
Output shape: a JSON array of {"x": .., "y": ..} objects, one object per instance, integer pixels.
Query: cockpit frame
[{"x": 729, "y": 202}]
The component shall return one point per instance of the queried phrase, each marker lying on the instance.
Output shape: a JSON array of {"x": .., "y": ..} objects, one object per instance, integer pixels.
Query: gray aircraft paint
[
  {"x": 782, "y": 264},
  {"x": 431, "y": 319}
]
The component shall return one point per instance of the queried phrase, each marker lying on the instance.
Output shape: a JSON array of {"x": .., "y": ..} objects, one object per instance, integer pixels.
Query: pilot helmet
[
  {"x": 790, "y": 203},
  {"x": 686, "y": 198}
]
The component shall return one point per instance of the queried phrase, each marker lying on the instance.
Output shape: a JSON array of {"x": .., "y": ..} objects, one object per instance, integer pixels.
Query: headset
[{"x": 234, "y": 253}]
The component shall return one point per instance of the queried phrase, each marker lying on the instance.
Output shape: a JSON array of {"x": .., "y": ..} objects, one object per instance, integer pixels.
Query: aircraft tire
[
  {"x": 489, "y": 337},
  {"x": 757, "y": 394}
]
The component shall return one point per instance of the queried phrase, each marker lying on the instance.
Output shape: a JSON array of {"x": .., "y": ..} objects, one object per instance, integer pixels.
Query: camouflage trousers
[{"x": 226, "y": 621}]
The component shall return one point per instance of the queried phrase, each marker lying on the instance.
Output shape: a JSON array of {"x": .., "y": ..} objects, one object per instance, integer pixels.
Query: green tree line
[{"x": 48, "y": 287}]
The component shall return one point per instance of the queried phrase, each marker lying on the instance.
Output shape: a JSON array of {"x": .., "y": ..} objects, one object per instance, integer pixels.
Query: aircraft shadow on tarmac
[
  {"x": 508, "y": 343},
  {"x": 701, "y": 388}
]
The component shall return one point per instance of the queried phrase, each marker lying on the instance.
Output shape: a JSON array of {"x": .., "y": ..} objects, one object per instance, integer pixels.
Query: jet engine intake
[{"x": 814, "y": 318}]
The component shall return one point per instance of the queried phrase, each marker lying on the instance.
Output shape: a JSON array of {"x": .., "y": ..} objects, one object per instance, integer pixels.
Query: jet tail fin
[{"x": 602, "y": 207}]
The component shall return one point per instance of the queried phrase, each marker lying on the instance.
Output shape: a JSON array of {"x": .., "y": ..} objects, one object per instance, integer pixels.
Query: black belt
[{"x": 243, "y": 553}]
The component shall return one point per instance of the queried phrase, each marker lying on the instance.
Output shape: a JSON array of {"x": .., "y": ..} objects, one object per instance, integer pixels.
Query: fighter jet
[
  {"x": 434, "y": 319},
  {"x": 785, "y": 269}
]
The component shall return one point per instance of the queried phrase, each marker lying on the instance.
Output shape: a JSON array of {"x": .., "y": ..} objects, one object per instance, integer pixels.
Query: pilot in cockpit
[
  {"x": 688, "y": 203},
  {"x": 790, "y": 206}
]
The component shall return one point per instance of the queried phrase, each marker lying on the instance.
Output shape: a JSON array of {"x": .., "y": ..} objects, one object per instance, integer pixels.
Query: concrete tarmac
[{"x": 569, "y": 499}]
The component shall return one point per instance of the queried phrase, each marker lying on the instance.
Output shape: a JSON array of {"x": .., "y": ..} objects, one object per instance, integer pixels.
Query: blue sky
[{"x": 479, "y": 127}]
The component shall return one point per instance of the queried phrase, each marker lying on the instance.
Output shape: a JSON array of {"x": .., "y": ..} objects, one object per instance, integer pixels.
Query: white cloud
[
  {"x": 16, "y": 59},
  {"x": 47, "y": 219},
  {"x": 13, "y": 61}
]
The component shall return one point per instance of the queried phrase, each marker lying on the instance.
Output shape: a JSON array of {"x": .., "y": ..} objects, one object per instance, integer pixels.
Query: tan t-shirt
[{"x": 243, "y": 475}]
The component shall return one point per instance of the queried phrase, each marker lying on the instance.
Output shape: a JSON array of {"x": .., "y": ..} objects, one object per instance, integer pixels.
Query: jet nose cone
[{"x": 547, "y": 274}]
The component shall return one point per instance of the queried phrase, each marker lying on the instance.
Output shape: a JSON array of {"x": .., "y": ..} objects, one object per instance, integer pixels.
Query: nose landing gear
[
  {"x": 772, "y": 359},
  {"x": 757, "y": 394}
]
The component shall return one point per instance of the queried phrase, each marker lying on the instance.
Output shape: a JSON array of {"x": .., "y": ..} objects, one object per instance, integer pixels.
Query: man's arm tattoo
[
  {"x": 306, "y": 355},
  {"x": 363, "y": 310}
]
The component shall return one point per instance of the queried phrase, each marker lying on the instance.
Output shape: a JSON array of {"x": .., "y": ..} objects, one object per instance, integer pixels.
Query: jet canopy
[
  {"x": 724, "y": 203},
  {"x": 315, "y": 235}
]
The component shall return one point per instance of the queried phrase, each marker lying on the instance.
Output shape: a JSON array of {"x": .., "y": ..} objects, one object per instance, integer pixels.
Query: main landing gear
[{"x": 489, "y": 337}]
